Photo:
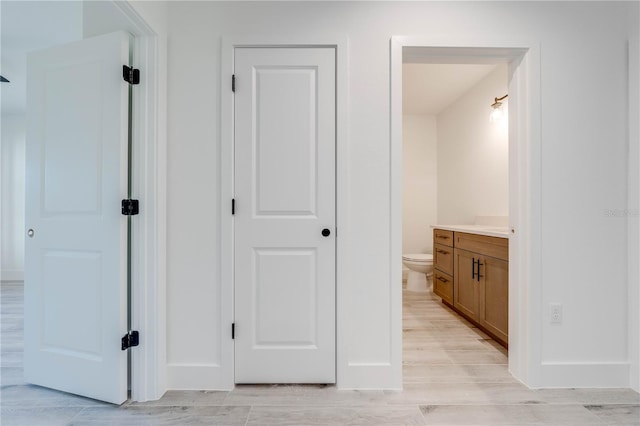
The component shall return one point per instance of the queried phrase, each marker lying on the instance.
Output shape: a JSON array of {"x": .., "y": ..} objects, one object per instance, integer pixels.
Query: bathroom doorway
[
  {"x": 429, "y": 341},
  {"x": 455, "y": 172}
]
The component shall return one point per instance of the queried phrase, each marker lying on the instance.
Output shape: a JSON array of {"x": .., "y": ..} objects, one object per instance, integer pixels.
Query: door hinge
[
  {"x": 130, "y": 207},
  {"x": 131, "y": 75},
  {"x": 233, "y": 330},
  {"x": 131, "y": 339},
  {"x": 233, "y": 206},
  {"x": 233, "y": 83}
]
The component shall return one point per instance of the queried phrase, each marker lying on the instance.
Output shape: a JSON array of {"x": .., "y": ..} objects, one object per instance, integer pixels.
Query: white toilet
[{"x": 420, "y": 271}]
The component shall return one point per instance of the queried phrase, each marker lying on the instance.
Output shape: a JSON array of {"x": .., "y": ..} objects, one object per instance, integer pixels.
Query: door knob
[
  {"x": 30, "y": 233},
  {"x": 326, "y": 232}
]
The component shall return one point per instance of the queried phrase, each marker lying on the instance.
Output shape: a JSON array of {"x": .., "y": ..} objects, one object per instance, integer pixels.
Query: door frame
[
  {"x": 148, "y": 300},
  {"x": 225, "y": 370},
  {"x": 525, "y": 298},
  {"x": 633, "y": 207},
  {"x": 148, "y": 256}
]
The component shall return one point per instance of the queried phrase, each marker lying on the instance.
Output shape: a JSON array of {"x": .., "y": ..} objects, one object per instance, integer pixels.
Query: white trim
[
  {"x": 524, "y": 189},
  {"x": 12, "y": 275},
  {"x": 226, "y": 378},
  {"x": 149, "y": 228},
  {"x": 585, "y": 375},
  {"x": 395, "y": 206},
  {"x": 633, "y": 225},
  {"x": 200, "y": 376}
]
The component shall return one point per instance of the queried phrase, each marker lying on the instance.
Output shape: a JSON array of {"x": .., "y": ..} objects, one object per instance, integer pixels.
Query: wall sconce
[
  {"x": 496, "y": 109},
  {"x": 3, "y": 80}
]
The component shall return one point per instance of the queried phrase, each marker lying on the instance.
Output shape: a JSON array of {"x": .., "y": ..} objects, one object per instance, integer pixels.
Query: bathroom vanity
[{"x": 471, "y": 275}]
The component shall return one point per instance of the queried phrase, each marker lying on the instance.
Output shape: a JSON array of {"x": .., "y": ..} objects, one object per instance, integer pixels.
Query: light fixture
[
  {"x": 496, "y": 109},
  {"x": 3, "y": 80}
]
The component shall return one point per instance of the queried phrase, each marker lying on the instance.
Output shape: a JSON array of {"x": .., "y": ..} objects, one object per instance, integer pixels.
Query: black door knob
[{"x": 326, "y": 232}]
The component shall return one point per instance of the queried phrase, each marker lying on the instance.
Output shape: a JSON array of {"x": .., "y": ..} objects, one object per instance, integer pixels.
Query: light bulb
[{"x": 496, "y": 114}]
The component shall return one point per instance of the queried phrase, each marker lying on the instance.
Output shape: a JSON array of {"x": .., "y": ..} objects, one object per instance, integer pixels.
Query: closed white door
[
  {"x": 76, "y": 245},
  {"x": 285, "y": 129}
]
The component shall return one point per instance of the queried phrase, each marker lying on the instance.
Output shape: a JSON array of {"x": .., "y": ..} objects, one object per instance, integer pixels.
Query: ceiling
[
  {"x": 27, "y": 26},
  {"x": 427, "y": 89}
]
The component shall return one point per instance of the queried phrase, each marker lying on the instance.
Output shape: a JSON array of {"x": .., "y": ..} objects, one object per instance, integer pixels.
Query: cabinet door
[
  {"x": 494, "y": 297},
  {"x": 465, "y": 285}
]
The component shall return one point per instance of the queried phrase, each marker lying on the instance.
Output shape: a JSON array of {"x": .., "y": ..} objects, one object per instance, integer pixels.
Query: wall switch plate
[{"x": 556, "y": 313}]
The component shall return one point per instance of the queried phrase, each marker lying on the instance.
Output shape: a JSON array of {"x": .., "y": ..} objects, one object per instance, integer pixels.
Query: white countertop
[{"x": 491, "y": 231}]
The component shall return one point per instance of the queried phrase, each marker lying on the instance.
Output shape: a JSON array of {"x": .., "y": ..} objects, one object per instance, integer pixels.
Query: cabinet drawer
[
  {"x": 443, "y": 258},
  {"x": 443, "y": 286},
  {"x": 440, "y": 236},
  {"x": 483, "y": 244}
]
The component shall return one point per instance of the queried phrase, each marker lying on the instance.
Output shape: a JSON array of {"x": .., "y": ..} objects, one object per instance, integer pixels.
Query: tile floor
[{"x": 453, "y": 374}]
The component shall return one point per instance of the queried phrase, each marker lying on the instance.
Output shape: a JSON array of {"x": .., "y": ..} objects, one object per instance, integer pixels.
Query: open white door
[
  {"x": 285, "y": 248},
  {"x": 76, "y": 245}
]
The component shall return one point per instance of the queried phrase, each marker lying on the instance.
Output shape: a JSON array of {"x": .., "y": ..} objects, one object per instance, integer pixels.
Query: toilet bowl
[{"x": 420, "y": 271}]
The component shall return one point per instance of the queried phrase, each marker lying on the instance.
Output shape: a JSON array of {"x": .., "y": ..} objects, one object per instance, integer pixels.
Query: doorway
[
  {"x": 524, "y": 185},
  {"x": 455, "y": 172},
  {"x": 226, "y": 368}
]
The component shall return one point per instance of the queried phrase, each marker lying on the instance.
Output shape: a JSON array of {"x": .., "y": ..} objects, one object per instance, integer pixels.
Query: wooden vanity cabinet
[
  {"x": 480, "y": 277},
  {"x": 443, "y": 264}
]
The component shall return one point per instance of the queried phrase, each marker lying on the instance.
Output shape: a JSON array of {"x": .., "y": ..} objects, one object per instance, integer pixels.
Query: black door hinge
[
  {"x": 233, "y": 206},
  {"x": 233, "y": 83},
  {"x": 131, "y": 75},
  {"x": 233, "y": 330},
  {"x": 131, "y": 339},
  {"x": 130, "y": 207}
]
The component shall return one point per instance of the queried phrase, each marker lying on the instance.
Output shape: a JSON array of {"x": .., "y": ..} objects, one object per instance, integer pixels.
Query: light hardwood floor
[{"x": 453, "y": 375}]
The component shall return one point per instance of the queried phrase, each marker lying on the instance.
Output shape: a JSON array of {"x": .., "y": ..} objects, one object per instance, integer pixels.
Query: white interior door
[
  {"x": 76, "y": 248},
  {"x": 285, "y": 198}
]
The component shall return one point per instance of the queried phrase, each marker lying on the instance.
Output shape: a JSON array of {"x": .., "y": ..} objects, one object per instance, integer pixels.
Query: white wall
[
  {"x": 473, "y": 155},
  {"x": 12, "y": 233},
  {"x": 419, "y": 174},
  {"x": 583, "y": 150}
]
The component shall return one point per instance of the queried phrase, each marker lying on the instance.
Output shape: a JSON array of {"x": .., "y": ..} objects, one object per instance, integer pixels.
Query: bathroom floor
[
  {"x": 453, "y": 375},
  {"x": 439, "y": 346}
]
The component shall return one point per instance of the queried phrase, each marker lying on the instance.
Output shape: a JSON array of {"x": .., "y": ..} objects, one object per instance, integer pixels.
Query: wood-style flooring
[{"x": 453, "y": 375}]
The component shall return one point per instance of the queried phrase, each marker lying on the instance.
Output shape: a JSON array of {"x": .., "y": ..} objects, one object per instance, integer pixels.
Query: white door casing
[
  {"x": 75, "y": 262},
  {"x": 285, "y": 133}
]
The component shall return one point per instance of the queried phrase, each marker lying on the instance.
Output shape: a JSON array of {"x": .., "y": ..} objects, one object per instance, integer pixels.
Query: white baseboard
[
  {"x": 369, "y": 377},
  {"x": 585, "y": 375},
  {"x": 12, "y": 275},
  {"x": 197, "y": 377}
]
